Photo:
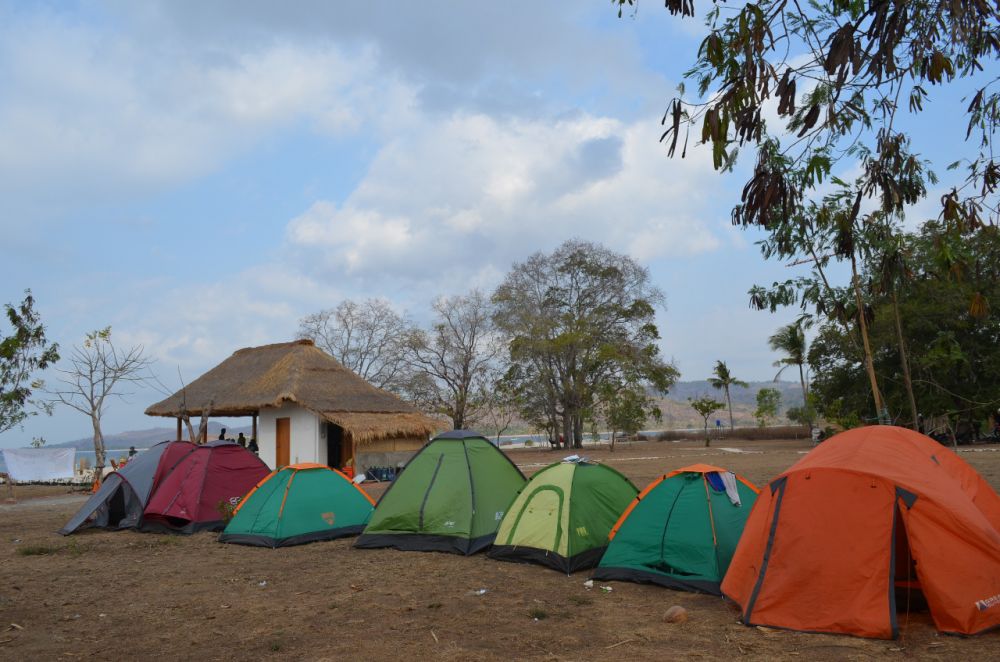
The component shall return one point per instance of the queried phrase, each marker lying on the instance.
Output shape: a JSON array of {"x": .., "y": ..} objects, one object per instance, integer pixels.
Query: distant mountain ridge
[{"x": 147, "y": 438}]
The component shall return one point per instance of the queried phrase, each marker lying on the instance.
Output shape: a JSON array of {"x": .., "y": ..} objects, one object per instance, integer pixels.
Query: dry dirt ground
[{"x": 129, "y": 595}]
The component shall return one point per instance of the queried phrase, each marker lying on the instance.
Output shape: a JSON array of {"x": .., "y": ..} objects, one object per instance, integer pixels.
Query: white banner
[{"x": 28, "y": 464}]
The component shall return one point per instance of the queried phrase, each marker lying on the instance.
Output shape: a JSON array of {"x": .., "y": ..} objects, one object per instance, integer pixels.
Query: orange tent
[{"x": 869, "y": 512}]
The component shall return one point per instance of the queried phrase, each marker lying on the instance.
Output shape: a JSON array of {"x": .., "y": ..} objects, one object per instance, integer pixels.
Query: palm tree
[
  {"x": 791, "y": 340},
  {"x": 723, "y": 380}
]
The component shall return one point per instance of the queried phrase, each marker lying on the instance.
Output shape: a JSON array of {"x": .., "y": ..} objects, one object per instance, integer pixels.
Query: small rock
[
  {"x": 589, "y": 584},
  {"x": 676, "y": 614}
]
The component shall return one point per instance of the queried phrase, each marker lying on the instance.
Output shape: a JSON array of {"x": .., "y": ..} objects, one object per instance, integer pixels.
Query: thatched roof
[{"x": 255, "y": 378}]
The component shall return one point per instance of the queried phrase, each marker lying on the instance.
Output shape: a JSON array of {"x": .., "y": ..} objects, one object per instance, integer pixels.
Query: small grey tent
[{"x": 122, "y": 497}]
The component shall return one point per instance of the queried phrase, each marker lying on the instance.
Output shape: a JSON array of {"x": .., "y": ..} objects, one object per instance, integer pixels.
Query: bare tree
[
  {"x": 502, "y": 401},
  {"x": 98, "y": 372},
  {"x": 368, "y": 337},
  {"x": 452, "y": 361}
]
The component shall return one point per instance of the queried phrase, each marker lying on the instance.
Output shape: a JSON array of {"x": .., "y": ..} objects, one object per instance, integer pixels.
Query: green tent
[
  {"x": 563, "y": 516},
  {"x": 297, "y": 504},
  {"x": 681, "y": 531},
  {"x": 450, "y": 497}
]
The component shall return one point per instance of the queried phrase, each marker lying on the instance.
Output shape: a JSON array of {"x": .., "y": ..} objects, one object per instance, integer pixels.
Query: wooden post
[
  {"x": 253, "y": 432},
  {"x": 178, "y": 429}
]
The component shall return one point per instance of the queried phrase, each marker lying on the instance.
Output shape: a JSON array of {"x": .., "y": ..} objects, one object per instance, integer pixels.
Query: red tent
[
  {"x": 191, "y": 490},
  {"x": 869, "y": 513}
]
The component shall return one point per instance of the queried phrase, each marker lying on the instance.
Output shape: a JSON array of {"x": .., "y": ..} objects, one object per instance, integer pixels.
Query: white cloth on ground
[
  {"x": 729, "y": 480},
  {"x": 28, "y": 464}
]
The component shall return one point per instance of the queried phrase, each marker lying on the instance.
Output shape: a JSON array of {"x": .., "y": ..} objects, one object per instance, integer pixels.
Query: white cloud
[{"x": 469, "y": 190}]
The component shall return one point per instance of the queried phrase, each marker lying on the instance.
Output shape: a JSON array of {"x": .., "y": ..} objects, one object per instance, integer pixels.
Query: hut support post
[
  {"x": 178, "y": 429},
  {"x": 253, "y": 431}
]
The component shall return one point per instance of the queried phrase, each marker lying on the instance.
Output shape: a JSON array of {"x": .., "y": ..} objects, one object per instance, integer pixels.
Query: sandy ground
[{"x": 130, "y": 595}]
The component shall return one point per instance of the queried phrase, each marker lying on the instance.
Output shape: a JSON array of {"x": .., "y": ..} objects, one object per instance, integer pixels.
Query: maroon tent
[
  {"x": 192, "y": 496},
  {"x": 174, "y": 486}
]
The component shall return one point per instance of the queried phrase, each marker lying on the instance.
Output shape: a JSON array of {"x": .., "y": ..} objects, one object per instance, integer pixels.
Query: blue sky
[{"x": 202, "y": 175}]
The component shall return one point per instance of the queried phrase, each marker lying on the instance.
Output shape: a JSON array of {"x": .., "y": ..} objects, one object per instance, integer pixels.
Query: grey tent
[{"x": 122, "y": 497}]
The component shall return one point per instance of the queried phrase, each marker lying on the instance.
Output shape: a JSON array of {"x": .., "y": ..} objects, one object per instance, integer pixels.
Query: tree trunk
[
  {"x": 729, "y": 401},
  {"x": 907, "y": 381},
  {"x": 567, "y": 429},
  {"x": 869, "y": 362},
  {"x": 99, "y": 454},
  {"x": 707, "y": 439},
  {"x": 805, "y": 399},
  {"x": 577, "y": 431},
  {"x": 612, "y": 440}
]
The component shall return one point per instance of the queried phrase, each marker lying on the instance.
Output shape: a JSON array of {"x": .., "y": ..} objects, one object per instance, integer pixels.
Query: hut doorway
[
  {"x": 283, "y": 441},
  {"x": 338, "y": 449}
]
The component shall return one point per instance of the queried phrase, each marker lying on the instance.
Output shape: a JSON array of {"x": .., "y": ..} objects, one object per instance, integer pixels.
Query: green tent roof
[
  {"x": 681, "y": 532},
  {"x": 563, "y": 516},
  {"x": 297, "y": 504},
  {"x": 450, "y": 497}
]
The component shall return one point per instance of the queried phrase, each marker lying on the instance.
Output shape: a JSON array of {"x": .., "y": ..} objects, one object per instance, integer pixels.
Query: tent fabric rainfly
[
  {"x": 563, "y": 516},
  {"x": 681, "y": 531},
  {"x": 450, "y": 497},
  {"x": 871, "y": 511},
  {"x": 190, "y": 494},
  {"x": 175, "y": 486},
  {"x": 298, "y": 504},
  {"x": 122, "y": 497}
]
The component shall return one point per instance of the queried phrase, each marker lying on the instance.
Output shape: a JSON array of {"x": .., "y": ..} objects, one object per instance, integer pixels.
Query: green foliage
[
  {"x": 580, "y": 329},
  {"x": 840, "y": 76},
  {"x": 768, "y": 401},
  {"x": 227, "y": 509},
  {"x": 723, "y": 380},
  {"x": 951, "y": 323},
  {"x": 803, "y": 415},
  {"x": 22, "y": 353},
  {"x": 706, "y": 406},
  {"x": 37, "y": 442}
]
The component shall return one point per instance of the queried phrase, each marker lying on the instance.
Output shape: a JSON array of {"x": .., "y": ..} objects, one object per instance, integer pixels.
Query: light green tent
[
  {"x": 297, "y": 504},
  {"x": 681, "y": 531},
  {"x": 563, "y": 516},
  {"x": 450, "y": 497}
]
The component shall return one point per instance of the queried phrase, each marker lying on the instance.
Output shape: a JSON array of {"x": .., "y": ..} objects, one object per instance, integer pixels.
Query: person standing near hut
[
  {"x": 252, "y": 446},
  {"x": 241, "y": 440},
  {"x": 222, "y": 435}
]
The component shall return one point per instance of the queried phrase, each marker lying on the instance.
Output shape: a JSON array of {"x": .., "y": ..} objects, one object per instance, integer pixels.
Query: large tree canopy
[
  {"x": 580, "y": 324},
  {"x": 952, "y": 346}
]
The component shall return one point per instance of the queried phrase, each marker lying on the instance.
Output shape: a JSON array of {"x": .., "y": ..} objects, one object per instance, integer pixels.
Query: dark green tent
[
  {"x": 563, "y": 516},
  {"x": 681, "y": 531},
  {"x": 297, "y": 504},
  {"x": 450, "y": 497}
]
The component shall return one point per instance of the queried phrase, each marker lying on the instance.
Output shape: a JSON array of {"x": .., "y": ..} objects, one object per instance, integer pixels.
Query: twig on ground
[{"x": 618, "y": 644}]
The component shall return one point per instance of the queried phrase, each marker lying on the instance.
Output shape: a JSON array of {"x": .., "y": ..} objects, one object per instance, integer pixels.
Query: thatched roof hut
[{"x": 271, "y": 376}]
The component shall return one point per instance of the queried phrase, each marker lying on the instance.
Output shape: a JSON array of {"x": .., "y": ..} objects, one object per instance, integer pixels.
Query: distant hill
[{"x": 146, "y": 438}]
